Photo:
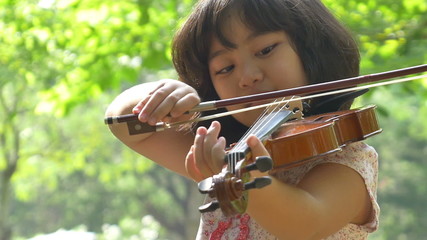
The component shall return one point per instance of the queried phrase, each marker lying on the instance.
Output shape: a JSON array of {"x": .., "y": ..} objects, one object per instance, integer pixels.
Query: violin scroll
[{"x": 229, "y": 189}]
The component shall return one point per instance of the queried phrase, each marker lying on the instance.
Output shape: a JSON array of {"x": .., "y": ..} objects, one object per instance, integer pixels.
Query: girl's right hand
[{"x": 171, "y": 98}]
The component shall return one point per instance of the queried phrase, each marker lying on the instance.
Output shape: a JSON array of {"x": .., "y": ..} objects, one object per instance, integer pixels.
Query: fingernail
[
  {"x": 201, "y": 130},
  {"x": 136, "y": 110},
  {"x": 152, "y": 121},
  {"x": 143, "y": 117},
  {"x": 251, "y": 141}
]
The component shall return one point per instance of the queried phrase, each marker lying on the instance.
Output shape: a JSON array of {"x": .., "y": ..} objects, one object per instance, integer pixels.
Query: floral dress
[{"x": 358, "y": 156}]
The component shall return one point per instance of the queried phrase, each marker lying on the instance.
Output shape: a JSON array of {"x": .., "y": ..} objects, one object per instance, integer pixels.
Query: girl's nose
[{"x": 251, "y": 74}]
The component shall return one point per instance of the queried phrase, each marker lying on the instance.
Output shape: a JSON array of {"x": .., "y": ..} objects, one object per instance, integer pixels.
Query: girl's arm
[
  {"x": 328, "y": 197},
  {"x": 165, "y": 100}
]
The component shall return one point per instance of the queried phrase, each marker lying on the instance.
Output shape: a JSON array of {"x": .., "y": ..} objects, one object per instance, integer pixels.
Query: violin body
[{"x": 299, "y": 141}]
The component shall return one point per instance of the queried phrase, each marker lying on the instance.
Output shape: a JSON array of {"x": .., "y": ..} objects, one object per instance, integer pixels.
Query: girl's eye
[
  {"x": 225, "y": 70},
  {"x": 266, "y": 50}
]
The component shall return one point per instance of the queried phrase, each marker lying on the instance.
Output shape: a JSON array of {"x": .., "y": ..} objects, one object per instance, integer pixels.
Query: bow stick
[{"x": 327, "y": 87}]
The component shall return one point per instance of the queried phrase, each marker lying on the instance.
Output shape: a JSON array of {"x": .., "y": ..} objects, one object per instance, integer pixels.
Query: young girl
[{"x": 232, "y": 48}]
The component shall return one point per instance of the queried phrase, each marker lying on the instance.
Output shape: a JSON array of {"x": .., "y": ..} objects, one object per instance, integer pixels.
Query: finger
[
  {"x": 257, "y": 148},
  {"x": 138, "y": 108},
  {"x": 191, "y": 168},
  {"x": 218, "y": 153},
  {"x": 154, "y": 108},
  {"x": 184, "y": 104},
  {"x": 211, "y": 139},
  {"x": 199, "y": 152},
  {"x": 170, "y": 98},
  {"x": 140, "y": 105},
  {"x": 161, "y": 84},
  {"x": 169, "y": 105}
]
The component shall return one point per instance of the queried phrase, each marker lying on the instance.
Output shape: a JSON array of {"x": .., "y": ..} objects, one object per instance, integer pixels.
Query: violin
[
  {"x": 290, "y": 143},
  {"x": 284, "y": 132}
]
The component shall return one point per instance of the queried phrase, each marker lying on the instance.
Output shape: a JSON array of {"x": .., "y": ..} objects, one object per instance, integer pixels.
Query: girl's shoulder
[{"x": 358, "y": 156}]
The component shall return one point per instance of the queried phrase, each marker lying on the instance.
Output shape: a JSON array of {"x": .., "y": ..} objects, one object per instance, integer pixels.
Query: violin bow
[{"x": 320, "y": 89}]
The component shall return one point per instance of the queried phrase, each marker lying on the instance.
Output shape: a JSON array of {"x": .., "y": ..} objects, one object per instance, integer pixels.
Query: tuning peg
[
  {"x": 258, "y": 183},
  {"x": 262, "y": 163},
  {"x": 209, "y": 207},
  {"x": 205, "y": 186}
]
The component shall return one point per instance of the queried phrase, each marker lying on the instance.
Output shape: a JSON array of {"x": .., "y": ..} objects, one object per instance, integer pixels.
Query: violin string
[
  {"x": 268, "y": 115},
  {"x": 218, "y": 115},
  {"x": 240, "y": 145},
  {"x": 233, "y": 154},
  {"x": 254, "y": 127},
  {"x": 284, "y": 103}
]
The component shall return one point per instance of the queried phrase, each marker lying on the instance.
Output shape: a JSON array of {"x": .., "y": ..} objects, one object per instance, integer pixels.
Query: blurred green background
[{"x": 63, "y": 61}]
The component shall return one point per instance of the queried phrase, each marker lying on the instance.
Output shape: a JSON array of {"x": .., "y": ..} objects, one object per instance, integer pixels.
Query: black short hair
[{"x": 327, "y": 50}]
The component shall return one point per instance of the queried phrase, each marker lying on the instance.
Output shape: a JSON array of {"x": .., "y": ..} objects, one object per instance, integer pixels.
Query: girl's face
[{"x": 260, "y": 62}]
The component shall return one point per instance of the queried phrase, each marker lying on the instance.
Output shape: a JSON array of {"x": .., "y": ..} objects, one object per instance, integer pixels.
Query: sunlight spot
[
  {"x": 133, "y": 62},
  {"x": 46, "y": 4}
]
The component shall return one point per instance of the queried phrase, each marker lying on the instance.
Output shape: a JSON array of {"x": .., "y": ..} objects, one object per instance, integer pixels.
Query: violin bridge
[{"x": 293, "y": 104}]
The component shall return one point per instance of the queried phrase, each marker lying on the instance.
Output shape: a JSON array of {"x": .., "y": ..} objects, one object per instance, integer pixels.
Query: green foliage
[
  {"x": 84, "y": 176},
  {"x": 62, "y": 61},
  {"x": 54, "y": 56},
  {"x": 77, "y": 49},
  {"x": 392, "y": 35}
]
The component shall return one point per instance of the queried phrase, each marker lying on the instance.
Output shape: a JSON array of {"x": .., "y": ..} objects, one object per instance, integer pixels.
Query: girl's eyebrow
[
  {"x": 248, "y": 38},
  {"x": 216, "y": 54},
  {"x": 255, "y": 34}
]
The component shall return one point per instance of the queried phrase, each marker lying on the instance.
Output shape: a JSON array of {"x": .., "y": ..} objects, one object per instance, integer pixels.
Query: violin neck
[{"x": 271, "y": 119}]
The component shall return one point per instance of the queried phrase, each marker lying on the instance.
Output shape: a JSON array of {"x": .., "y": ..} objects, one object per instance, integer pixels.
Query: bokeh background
[{"x": 63, "y": 174}]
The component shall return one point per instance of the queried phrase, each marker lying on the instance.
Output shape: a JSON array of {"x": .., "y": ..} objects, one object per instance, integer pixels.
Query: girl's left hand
[{"x": 206, "y": 156}]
